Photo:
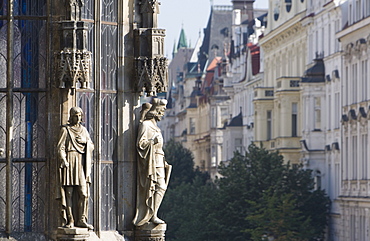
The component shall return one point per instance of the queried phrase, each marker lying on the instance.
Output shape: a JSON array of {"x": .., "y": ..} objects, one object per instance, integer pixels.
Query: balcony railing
[
  {"x": 288, "y": 84},
  {"x": 264, "y": 93}
]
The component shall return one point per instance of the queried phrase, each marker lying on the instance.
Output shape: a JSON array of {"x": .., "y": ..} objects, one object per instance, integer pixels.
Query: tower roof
[{"x": 182, "y": 40}]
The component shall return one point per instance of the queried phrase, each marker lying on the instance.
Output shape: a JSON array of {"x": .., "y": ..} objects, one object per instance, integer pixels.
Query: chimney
[{"x": 246, "y": 8}]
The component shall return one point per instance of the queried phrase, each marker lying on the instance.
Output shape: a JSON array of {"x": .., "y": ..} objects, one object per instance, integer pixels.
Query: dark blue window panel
[
  {"x": 88, "y": 9},
  {"x": 28, "y": 207},
  {"x": 90, "y": 46},
  {"x": 108, "y": 197},
  {"x": 2, "y": 195},
  {"x": 30, "y": 122},
  {"x": 29, "y": 54},
  {"x": 3, "y": 53},
  {"x": 3, "y": 7},
  {"x": 109, "y": 57},
  {"x": 28, "y": 147},
  {"x": 108, "y": 127},
  {"x": 109, "y": 10},
  {"x": 30, "y": 7},
  {"x": 86, "y": 103}
]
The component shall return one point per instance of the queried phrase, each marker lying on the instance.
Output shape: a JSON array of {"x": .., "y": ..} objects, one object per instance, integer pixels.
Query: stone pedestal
[
  {"x": 150, "y": 232},
  {"x": 67, "y": 234}
]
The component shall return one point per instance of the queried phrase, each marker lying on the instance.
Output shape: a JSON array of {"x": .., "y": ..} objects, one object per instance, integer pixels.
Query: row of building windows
[
  {"x": 356, "y": 82},
  {"x": 356, "y": 160},
  {"x": 321, "y": 41},
  {"x": 358, "y": 9}
]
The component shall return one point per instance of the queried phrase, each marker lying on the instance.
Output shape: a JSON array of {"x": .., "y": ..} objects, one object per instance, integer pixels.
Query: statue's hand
[
  {"x": 156, "y": 139},
  {"x": 81, "y": 140},
  {"x": 64, "y": 164}
]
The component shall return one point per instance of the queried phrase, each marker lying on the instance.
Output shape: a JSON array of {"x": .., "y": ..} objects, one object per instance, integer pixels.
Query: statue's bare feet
[
  {"x": 157, "y": 220},
  {"x": 83, "y": 224},
  {"x": 70, "y": 225}
]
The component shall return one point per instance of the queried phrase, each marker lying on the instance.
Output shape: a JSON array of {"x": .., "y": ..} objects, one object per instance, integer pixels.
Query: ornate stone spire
[
  {"x": 151, "y": 65},
  {"x": 74, "y": 60}
]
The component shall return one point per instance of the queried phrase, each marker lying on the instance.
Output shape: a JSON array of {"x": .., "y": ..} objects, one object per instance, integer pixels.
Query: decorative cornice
[{"x": 282, "y": 37}]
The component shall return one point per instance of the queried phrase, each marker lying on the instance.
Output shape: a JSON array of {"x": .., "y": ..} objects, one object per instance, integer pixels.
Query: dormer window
[
  {"x": 277, "y": 10},
  {"x": 288, "y": 5}
]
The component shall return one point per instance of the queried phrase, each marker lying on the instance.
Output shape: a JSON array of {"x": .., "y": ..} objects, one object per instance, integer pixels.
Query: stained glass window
[
  {"x": 109, "y": 49},
  {"x": 30, "y": 58},
  {"x": 88, "y": 9},
  {"x": 27, "y": 53},
  {"x": 106, "y": 78}
]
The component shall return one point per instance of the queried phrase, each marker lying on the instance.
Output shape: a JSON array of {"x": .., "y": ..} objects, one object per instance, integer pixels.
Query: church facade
[{"x": 55, "y": 55}]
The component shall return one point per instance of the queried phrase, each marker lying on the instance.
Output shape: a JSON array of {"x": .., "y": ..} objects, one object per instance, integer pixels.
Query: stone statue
[
  {"x": 153, "y": 170},
  {"x": 75, "y": 154}
]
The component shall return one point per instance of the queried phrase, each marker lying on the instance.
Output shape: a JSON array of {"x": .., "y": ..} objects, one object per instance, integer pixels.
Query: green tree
[
  {"x": 277, "y": 216},
  {"x": 182, "y": 162},
  {"x": 186, "y": 203},
  {"x": 185, "y": 210},
  {"x": 244, "y": 179},
  {"x": 261, "y": 193},
  {"x": 256, "y": 197}
]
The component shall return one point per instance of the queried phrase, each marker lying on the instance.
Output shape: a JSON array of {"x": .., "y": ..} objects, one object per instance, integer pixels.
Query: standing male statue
[
  {"x": 153, "y": 170},
  {"x": 75, "y": 153}
]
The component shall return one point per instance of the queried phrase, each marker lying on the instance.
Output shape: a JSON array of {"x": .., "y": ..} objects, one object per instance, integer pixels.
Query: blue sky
[{"x": 192, "y": 15}]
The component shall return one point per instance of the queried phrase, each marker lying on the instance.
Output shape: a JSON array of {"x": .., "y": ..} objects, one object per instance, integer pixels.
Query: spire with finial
[
  {"x": 182, "y": 40},
  {"x": 174, "y": 50}
]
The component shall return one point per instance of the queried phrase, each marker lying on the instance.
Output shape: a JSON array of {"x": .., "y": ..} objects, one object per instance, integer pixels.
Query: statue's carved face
[
  {"x": 76, "y": 118},
  {"x": 160, "y": 112}
]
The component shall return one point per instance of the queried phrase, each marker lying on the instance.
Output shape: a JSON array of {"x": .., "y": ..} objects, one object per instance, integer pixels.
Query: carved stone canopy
[
  {"x": 152, "y": 75},
  {"x": 151, "y": 65},
  {"x": 74, "y": 66}
]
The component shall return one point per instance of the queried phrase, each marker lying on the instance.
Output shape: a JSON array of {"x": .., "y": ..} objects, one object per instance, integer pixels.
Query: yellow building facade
[{"x": 277, "y": 103}]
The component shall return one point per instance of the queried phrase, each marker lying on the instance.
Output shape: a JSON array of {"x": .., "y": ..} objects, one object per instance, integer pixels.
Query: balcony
[
  {"x": 288, "y": 84},
  {"x": 283, "y": 143},
  {"x": 264, "y": 93}
]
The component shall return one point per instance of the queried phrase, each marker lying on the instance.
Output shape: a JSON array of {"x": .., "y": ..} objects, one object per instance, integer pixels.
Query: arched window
[{"x": 288, "y": 5}]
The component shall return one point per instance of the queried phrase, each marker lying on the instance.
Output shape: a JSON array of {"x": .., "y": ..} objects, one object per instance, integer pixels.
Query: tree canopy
[{"x": 257, "y": 197}]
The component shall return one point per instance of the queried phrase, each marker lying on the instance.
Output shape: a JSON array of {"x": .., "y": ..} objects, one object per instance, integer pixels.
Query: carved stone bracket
[
  {"x": 74, "y": 66},
  {"x": 150, "y": 232},
  {"x": 152, "y": 75}
]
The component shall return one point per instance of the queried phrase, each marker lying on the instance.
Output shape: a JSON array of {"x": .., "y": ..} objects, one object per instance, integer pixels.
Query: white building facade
[
  {"x": 321, "y": 131},
  {"x": 355, "y": 179}
]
